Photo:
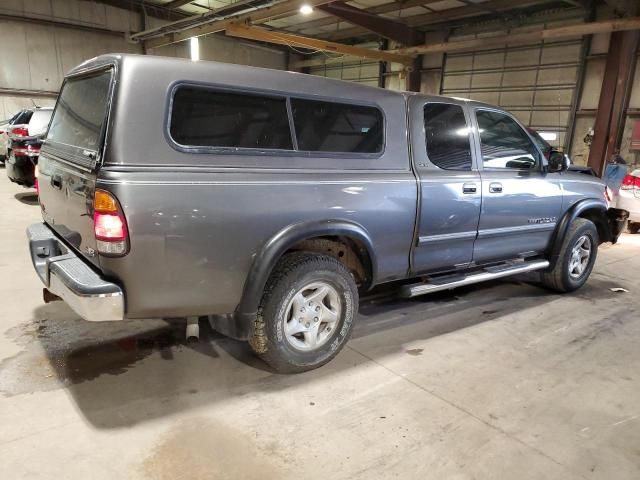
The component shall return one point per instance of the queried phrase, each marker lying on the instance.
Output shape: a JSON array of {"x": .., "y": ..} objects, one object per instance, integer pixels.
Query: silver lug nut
[
  {"x": 307, "y": 324},
  {"x": 302, "y": 310},
  {"x": 315, "y": 319},
  {"x": 317, "y": 309}
]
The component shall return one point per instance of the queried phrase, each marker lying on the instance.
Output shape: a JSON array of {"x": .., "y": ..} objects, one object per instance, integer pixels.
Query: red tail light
[
  {"x": 20, "y": 132},
  {"x": 26, "y": 151},
  {"x": 109, "y": 225},
  {"x": 630, "y": 182}
]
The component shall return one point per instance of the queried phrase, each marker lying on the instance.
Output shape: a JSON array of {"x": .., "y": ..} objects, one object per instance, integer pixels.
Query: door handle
[
  {"x": 56, "y": 182},
  {"x": 469, "y": 188},
  {"x": 495, "y": 187}
]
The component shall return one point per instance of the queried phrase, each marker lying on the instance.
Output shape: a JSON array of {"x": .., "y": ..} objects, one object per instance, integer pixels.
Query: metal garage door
[{"x": 535, "y": 82}]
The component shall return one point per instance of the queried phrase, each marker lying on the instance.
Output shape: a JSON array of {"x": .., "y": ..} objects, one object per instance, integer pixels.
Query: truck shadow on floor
[
  {"x": 28, "y": 198},
  {"x": 121, "y": 374}
]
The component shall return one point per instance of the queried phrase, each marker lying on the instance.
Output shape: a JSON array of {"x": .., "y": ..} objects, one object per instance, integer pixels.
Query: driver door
[{"x": 521, "y": 203}]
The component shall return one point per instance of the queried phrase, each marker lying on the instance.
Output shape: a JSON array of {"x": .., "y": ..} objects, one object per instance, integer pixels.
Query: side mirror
[{"x": 557, "y": 162}]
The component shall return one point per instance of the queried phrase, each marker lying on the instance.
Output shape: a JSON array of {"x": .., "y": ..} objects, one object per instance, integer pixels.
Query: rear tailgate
[{"x": 69, "y": 159}]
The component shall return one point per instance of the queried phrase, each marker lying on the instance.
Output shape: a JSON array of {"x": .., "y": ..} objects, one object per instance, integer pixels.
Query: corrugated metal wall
[
  {"x": 535, "y": 82},
  {"x": 363, "y": 71},
  {"x": 35, "y": 56}
]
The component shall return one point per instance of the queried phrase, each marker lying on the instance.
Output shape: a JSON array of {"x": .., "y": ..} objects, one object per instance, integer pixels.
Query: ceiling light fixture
[{"x": 306, "y": 9}]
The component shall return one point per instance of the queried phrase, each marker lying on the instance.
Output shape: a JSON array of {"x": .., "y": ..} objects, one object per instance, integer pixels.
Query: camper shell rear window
[{"x": 80, "y": 114}]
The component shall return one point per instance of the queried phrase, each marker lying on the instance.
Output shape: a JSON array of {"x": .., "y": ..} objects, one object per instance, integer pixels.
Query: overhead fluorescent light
[
  {"x": 194, "y": 47},
  {"x": 306, "y": 9}
]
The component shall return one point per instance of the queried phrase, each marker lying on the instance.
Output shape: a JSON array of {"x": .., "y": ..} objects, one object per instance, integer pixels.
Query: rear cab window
[
  {"x": 80, "y": 115},
  {"x": 447, "y": 136}
]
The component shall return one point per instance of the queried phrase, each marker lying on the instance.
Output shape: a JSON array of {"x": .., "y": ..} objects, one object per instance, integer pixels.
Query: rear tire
[
  {"x": 577, "y": 257},
  {"x": 306, "y": 314}
]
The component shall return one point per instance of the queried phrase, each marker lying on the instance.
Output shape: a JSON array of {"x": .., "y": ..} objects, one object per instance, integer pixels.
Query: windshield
[
  {"x": 22, "y": 118},
  {"x": 39, "y": 121},
  {"x": 81, "y": 112}
]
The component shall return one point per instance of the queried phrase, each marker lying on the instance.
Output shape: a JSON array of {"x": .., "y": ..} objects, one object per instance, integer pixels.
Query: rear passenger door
[
  {"x": 521, "y": 202},
  {"x": 449, "y": 183}
]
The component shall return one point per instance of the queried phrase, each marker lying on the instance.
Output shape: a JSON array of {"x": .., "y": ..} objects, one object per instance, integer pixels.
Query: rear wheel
[
  {"x": 577, "y": 257},
  {"x": 306, "y": 314}
]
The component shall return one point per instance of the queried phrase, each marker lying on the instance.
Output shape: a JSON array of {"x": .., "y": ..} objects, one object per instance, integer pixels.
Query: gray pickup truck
[{"x": 268, "y": 200}]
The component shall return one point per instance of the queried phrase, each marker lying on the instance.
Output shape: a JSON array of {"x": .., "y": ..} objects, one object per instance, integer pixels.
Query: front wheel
[
  {"x": 306, "y": 314},
  {"x": 577, "y": 257}
]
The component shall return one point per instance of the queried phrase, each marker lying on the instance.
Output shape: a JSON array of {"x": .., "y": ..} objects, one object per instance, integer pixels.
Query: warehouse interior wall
[
  {"x": 538, "y": 82},
  {"x": 43, "y": 39}
]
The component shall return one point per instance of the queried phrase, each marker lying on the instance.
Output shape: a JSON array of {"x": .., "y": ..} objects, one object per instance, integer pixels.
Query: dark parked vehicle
[
  {"x": 24, "y": 145},
  {"x": 22, "y": 161},
  {"x": 270, "y": 200}
]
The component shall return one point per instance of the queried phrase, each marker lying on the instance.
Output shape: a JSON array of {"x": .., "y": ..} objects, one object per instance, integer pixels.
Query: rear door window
[
  {"x": 337, "y": 127},
  {"x": 447, "y": 136},
  {"x": 81, "y": 112},
  {"x": 204, "y": 117}
]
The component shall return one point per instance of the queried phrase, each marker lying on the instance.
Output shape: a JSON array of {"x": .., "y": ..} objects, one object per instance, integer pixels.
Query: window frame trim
[
  {"x": 75, "y": 153},
  {"x": 470, "y": 126},
  {"x": 294, "y": 152},
  {"x": 539, "y": 163}
]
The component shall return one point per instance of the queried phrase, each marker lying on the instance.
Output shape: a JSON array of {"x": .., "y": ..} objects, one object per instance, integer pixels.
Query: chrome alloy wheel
[
  {"x": 580, "y": 256},
  {"x": 312, "y": 316}
]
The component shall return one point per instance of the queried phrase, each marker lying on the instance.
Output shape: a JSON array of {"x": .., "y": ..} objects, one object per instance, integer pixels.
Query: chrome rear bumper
[{"x": 69, "y": 277}]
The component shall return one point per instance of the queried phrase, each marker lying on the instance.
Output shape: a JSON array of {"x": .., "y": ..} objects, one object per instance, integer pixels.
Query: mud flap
[{"x": 617, "y": 220}]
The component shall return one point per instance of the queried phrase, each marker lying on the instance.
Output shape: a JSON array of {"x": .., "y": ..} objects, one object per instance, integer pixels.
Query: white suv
[
  {"x": 26, "y": 123},
  {"x": 629, "y": 199}
]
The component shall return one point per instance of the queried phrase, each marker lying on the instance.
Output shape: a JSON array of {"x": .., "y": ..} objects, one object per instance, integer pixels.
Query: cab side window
[
  {"x": 447, "y": 136},
  {"x": 504, "y": 144}
]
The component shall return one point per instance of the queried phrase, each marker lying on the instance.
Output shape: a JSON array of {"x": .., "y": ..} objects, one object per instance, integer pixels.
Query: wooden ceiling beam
[
  {"x": 392, "y": 29},
  {"x": 445, "y": 15},
  {"x": 552, "y": 33},
  {"x": 263, "y": 35}
]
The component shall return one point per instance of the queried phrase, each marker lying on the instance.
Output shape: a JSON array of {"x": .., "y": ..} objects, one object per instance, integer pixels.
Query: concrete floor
[{"x": 499, "y": 381}]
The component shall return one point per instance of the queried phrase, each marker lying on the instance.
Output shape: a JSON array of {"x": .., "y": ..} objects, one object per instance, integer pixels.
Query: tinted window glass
[
  {"x": 81, "y": 111},
  {"x": 202, "y": 117},
  {"x": 447, "y": 136},
  {"x": 337, "y": 127},
  {"x": 504, "y": 143},
  {"x": 22, "y": 118},
  {"x": 540, "y": 142}
]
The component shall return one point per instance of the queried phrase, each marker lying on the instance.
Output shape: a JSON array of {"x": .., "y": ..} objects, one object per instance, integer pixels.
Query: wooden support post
[{"x": 614, "y": 98}]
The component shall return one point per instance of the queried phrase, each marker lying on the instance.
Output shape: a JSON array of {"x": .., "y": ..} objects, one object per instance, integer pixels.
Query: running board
[{"x": 489, "y": 273}]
